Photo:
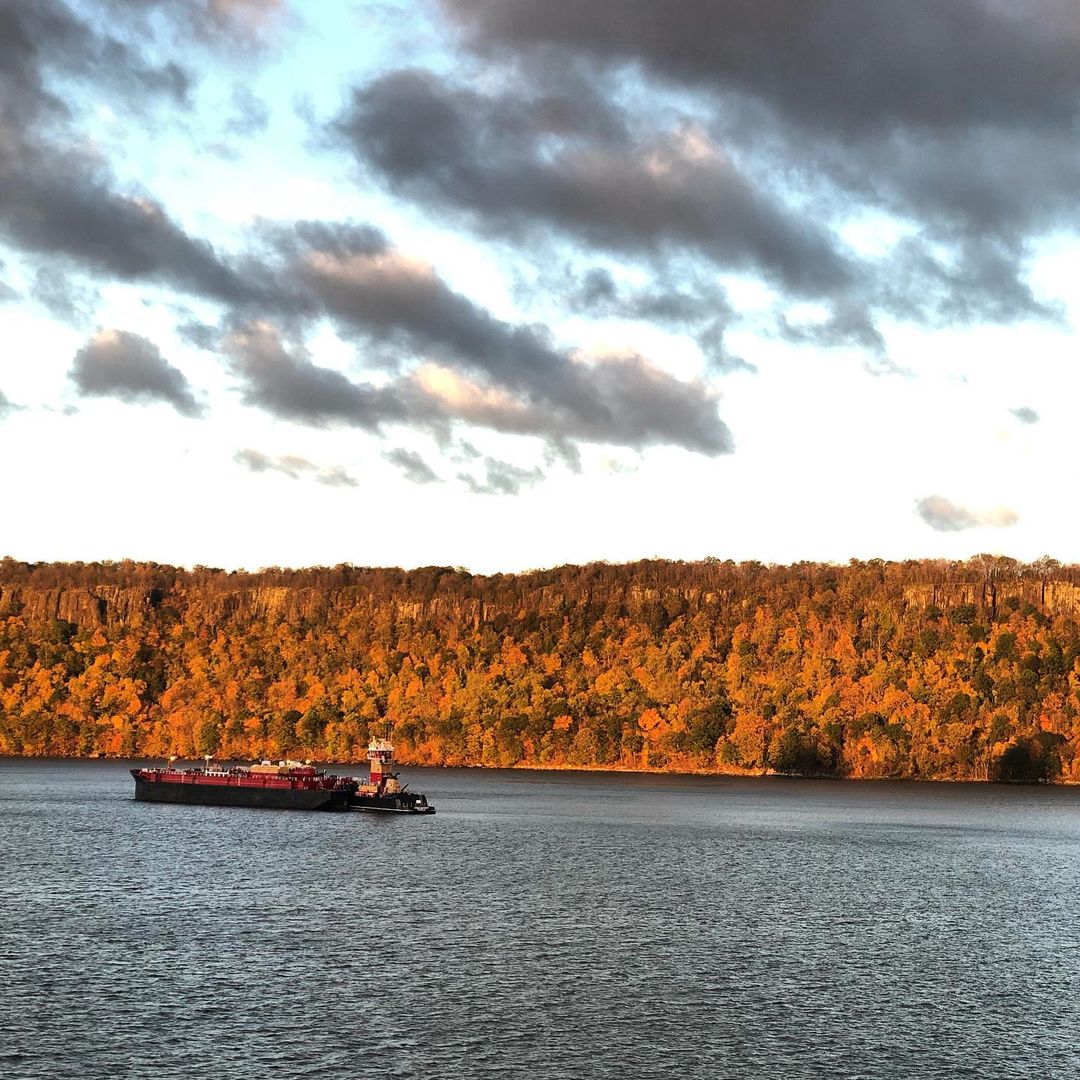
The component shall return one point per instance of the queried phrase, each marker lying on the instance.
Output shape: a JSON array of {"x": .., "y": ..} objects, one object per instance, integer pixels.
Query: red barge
[{"x": 283, "y": 785}]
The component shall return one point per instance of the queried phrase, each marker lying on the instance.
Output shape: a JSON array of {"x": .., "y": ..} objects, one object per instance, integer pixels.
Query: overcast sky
[{"x": 511, "y": 283}]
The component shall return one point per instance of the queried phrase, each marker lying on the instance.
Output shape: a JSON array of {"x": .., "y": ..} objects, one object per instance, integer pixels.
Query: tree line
[{"x": 921, "y": 669}]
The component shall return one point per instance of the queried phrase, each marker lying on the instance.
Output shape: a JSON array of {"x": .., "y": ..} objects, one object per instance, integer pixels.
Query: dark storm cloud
[
  {"x": 958, "y": 117},
  {"x": 1025, "y": 415},
  {"x": 712, "y": 340},
  {"x": 646, "y": 406},
  {"x": 842, "y": 66},
  {"x": 500, "y": 157},
  {"x": 414, "y": 467},
  {"x": 339, "y": 239},
  {"x": 295, "y": 468},
  {"x": 501, "y": 478},
  {"x": 942, "y": 515},
  {"x": 125, "y": 366}
]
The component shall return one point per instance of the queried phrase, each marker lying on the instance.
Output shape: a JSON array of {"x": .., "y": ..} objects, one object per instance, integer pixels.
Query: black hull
[
  {"x": 405, "y": 803},
  {"x": 259, "y": 797}
]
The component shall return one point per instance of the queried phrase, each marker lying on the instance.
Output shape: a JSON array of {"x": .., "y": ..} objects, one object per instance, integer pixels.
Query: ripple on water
[{"x": 542, "y": 927}]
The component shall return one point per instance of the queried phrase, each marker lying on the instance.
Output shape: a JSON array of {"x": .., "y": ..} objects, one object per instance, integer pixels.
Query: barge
[
  {"x": 286, "y": 785},
  {"x": 283, "y": 785}
]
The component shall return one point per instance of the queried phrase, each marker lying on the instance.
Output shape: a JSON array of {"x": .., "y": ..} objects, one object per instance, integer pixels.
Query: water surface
[{"x": 542, "y": 925}]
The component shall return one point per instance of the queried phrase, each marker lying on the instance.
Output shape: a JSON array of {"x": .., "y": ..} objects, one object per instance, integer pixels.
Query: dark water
[{"x": 542, "y": 925}]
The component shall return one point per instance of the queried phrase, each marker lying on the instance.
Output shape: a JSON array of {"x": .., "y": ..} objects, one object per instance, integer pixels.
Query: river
[{"x": 541, "y": 925}]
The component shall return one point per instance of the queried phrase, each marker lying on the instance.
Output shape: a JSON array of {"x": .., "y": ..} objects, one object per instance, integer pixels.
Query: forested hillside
[{"x": 874, "y": 669}]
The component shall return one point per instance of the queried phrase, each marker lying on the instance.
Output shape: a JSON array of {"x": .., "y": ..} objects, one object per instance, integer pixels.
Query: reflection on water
[{"x": 542, "y": 925}]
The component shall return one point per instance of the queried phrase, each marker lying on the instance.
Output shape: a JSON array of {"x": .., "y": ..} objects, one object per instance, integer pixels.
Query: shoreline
[{"x": 761, "y": 774}]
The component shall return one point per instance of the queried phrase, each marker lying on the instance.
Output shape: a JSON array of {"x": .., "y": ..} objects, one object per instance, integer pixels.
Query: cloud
[
  {"x": 630, "y": 402},
  {"x": 483, "y": 370},
  {"x": 295, "y": 468},
  {"x": 250, "y": 16},
  {"x": 199, "y": 334},
  {"x": 224, "y": 25},
  {"x": 335, "y": 476},
  {"x": 250, "y": 114},
  {"x": 1025, "y": 415},
  {"x": 501, "y": 478},
  {"x": 957, "y": 119},
  {"x": 401, "y": 300},
  {"x": 62, "y": 204},
  {"x": 942, "y": 515},
  {"x": 54, "y": 204},
  {"x": 518, "y": 162},
  {"x": 596, "y": 293},
  {"x": 286, "y": 383},
  {"x": 847, "y": 324},
  {"x": 695, "y": 307},
  {"x": 7, "y": 407},
  {"x": 62, "y": 297},
  {"x": 49, "y": 35},
  {"x": 637, "y": 405},
  {"x": 412, "y": 465},
  {"x": 58, "y": 198},
  {"x": 128, "y": 367},
  {"x": 841, "y": 67}
]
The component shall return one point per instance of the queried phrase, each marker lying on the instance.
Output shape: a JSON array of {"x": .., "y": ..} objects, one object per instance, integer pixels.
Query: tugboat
[
  {"x": 382, "y": 790},
  {"x": 285, "y": 785}
]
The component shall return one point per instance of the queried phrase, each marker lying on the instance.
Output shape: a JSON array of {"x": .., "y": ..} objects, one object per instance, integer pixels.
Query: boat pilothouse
[{"x": 382, "y": 790}]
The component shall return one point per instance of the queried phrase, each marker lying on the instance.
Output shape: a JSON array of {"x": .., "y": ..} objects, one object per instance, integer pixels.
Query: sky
[{"x": 506, "y": 284}]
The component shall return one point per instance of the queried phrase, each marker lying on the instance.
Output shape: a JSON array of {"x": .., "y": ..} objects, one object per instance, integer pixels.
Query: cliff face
[
  {"x": 117, "y": 605},
  {"x": 113, "y": 605},
  {"x": 105, "y": 605},
  {"x": 1052, "y": 597}
]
